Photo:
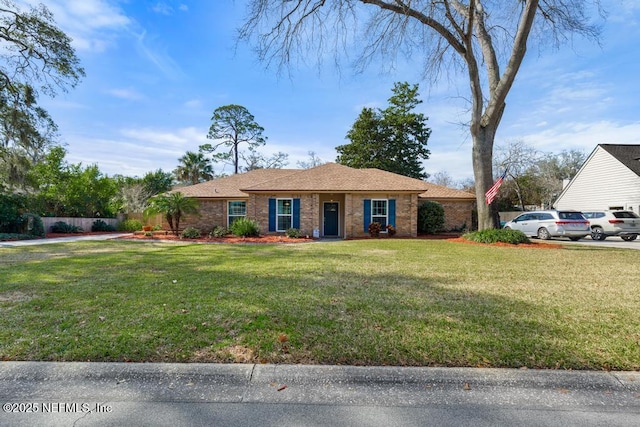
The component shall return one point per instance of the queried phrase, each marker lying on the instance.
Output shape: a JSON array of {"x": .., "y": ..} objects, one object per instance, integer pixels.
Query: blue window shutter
[
  {"x": 367, "y": 214},
  {"x": 272, "y": 214},
  {"x": 296, "y": 213},
  {"x": 392, "y": 212}
]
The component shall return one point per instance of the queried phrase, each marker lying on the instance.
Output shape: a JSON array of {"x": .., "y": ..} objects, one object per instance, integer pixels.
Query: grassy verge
[{"x": 375, "y": 302}]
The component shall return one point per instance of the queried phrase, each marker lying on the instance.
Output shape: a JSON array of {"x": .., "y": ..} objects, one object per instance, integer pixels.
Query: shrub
[
  {"x": 130, "y": 225},
  {"x": 219, "y": 231},
  {"x": 245, "y": 227},
  {"x": 100, "y": 225},
  {"x": 32, "y": 225},
  {"x": 374, "y": 229},
  {"x": 391, "y": 230},
  {"x": 63, "y": 227},
  {"x": 10, "y": 208},
  {"x": 14, "y": 236},
  {"x": 494, "y": 236},
  {"x": 430, "y": 217},
  {"x": 293, "y": 233},
  {"x": 191, "y": 233},
  {"x": 157, "y": 227}
]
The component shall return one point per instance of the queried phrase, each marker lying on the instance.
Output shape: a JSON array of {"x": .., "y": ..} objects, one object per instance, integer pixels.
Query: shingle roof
[
  {"x": 436, "y": 192},
  {"x": 330, "y": 177},
  {"x": 333, "y": 177},
  {"x": 229, "y": 186},
  {"x": 628, "y": 155}
]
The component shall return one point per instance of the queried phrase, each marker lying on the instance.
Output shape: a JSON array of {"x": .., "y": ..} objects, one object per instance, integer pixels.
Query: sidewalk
[
  {"x": 83, "y": 394},
  {"x": 13, "y": 243}
]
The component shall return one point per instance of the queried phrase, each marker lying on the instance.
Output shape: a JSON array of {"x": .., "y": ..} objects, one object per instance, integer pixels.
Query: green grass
[{"x": 369, "y": 302}]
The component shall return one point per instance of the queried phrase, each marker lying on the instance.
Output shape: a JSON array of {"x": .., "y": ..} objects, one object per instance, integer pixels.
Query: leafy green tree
[
  {"x": 157, "y": 182},
  {"x": 173, "y": 206},
  {"x": 233, "y": 125},
  {"x": 193, "y": 168},
  {"x": 35, "y": 57},
  {"x": 393, "y": 139},
  {"x": 71, "y": 190},
  {"x": 486, "y": 40}
]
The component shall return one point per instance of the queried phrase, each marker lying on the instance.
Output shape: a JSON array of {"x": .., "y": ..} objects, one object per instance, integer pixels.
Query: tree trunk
[
  {"x": 483, "y": 174},
  {"x": 170, "y": 221}
]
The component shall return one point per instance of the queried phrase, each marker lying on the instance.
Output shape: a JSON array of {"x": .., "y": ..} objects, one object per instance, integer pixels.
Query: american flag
[{"x": 491, "y": 193}]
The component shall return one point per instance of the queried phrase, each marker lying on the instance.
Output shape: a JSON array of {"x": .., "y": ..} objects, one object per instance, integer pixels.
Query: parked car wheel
[
  {"x": 629, "y": 238},
  {"x": 597, "y": 233},
  {"x": 543, "y": 234}
]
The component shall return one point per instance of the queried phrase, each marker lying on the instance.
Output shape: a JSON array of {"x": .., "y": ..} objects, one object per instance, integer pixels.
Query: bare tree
[
  {"x": 312, "y": 162},
  {"x": 255, "y": 160},
  {"x": 486, "y": 39},
  {"x": 517, "y": 158},
  {"x": 134, "y": 198},
  {"x": 442, "y": 178}
]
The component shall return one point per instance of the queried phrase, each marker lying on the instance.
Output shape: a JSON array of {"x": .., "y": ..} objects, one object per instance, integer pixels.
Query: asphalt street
[{"x": 116, "y": 394}]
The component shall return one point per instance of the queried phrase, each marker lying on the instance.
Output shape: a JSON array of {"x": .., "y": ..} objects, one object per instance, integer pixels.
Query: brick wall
[
  {"x": 406, "y": 213},
  {"x": 457, "y": 214},
  {"x": 214, "y": 212},
  {"x": 258, "y": 209},
  {"x": 211, "y": 213}
]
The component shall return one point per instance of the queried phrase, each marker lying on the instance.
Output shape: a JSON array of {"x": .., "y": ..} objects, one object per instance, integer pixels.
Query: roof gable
[{"x": 628, "y": 155}]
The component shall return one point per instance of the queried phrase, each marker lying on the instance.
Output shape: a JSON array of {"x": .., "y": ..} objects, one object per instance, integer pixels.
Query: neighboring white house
[{"x": 608, "y": 179}]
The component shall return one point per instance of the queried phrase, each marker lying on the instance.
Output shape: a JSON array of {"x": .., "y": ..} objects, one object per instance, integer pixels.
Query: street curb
[{"x": 314, "y": 384}]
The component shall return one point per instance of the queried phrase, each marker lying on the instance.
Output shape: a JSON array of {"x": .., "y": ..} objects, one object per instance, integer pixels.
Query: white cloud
[
  {"x": 136, "y": 151},
  {"x": 184, "y": 139},
  {"x": 165, "y": 8},
  {"x": 130, "y": 94},
  {"x": 90, "y": 23},
  {"x": 583, "y": 135},
  {"x": 162, "y": 8},
  {"x": 149, "y": 48},
  {"x": 193, "y": 104}
]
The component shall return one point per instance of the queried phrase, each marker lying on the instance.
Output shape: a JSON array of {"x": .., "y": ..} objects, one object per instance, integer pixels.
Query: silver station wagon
[{"x": 547, "y": 224}]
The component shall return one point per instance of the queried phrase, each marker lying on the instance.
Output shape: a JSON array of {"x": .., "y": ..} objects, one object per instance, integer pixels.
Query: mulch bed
[
  {"x": 228, "y": 239},
  {"x": 534, "y": 245},
  {"x": 451, "y": 237}
]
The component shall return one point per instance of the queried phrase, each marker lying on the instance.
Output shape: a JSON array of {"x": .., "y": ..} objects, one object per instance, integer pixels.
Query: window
[
  {"x": 379, "y": 213},
  {"x": 284, "y": 214},
  {"x": 237, "y": 209}
]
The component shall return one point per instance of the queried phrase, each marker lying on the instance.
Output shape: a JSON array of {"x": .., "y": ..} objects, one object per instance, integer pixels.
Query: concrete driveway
[
  {"x": 34, "y": 242},
  {"x": 610, "y": 242}
]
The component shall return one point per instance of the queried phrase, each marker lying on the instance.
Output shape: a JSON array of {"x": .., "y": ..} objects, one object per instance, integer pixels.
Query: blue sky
[{"x": 156, "y": 70}]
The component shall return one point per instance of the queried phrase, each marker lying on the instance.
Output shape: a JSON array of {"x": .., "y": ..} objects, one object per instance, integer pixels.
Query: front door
[{"x": 331, "y": 211}]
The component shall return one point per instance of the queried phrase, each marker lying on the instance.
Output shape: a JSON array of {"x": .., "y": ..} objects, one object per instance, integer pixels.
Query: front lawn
[{"x": 367, "y": 302}]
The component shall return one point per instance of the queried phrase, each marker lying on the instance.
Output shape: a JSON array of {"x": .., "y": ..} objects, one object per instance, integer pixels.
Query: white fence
[{"x": 84, "y": 223}]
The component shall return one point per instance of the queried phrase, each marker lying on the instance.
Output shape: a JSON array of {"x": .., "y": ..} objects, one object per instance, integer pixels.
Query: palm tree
[
  {"x": 193, "y": 168},
  {"x": 172, "y": 206}
]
